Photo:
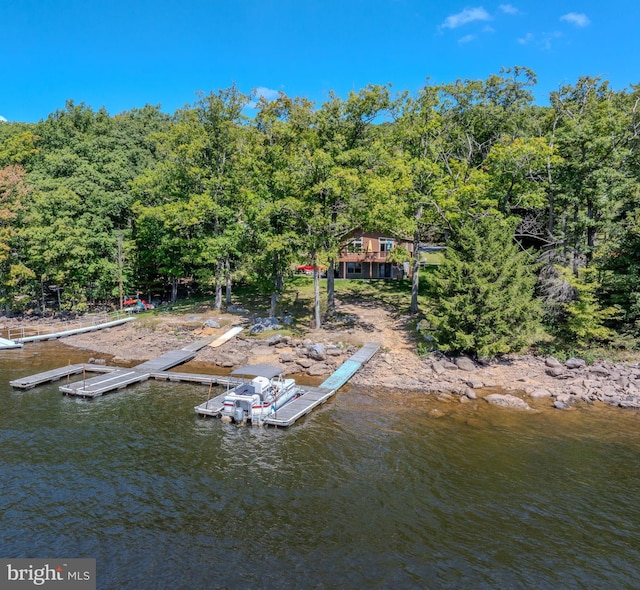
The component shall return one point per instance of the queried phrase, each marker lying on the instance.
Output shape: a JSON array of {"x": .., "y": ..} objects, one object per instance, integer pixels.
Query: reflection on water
[{"x": 368, "y": 491}]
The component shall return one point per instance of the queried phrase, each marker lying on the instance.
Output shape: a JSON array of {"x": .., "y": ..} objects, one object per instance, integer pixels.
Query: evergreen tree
[{"x": 483, "y": 293}]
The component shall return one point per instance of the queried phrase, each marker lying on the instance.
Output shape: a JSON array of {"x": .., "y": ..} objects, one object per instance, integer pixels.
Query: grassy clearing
[{"x": 297, "y": 298}]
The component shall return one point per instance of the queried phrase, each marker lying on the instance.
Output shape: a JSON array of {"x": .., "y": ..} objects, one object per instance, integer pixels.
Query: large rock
[
  {"x": 316, "y": 352},
  {"x": 574, "y": 363},
  {"x": 304, "y": 363},
  {"x": 318, "y": 369},
  {"x": 558, "y": 405},
  {"x": 631, "y": 402},
  {"x": 211, "y": 324},
  {"x": 555, "y": 371},
  {"x": 599, "y": 370},
  {"x": 465, "y": 364},
  {"x": 507, "y": 401},
  {"x": 274, "y": 340},
  {"x": 287, "y": 357},
  {"x": 552, "y": 362},
  {"x": 333, "y": 351},
  {"x": 539, "y": 393},
  {"x": 263, "y": 324}
]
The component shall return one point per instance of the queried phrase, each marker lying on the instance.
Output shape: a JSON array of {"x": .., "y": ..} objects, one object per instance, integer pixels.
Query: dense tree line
[{"x": 94, "y": 207}]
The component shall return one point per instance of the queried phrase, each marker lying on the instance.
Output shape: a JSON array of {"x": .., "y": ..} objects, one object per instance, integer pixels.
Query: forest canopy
[{"x": 95, "y": 206}]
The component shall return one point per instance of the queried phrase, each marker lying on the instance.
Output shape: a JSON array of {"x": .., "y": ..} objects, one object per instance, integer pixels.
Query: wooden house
[{"x": 366, "y": 255}]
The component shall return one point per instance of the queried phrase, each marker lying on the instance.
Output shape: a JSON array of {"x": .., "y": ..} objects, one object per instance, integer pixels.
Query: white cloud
[
  {"x": 3, "y": 120},
  {"x": 546, "y": 43},
  {"x": 466, "y": 39},
  {"x": 579, "y": 19},
  {"x": 509, "y": 9},
  {"x": 528, "y": 38},
  {"x": 266, "y": 93},
  {"x": 468, "y": 15},
  {"x": 543, "y": 41}
]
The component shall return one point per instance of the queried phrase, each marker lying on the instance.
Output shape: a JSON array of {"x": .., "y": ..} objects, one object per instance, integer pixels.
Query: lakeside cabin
[{"x": 365, "y": 256}]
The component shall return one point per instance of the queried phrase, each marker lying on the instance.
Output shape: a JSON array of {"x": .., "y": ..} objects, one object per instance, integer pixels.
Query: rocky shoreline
[
  {"x": 514, "y": 381},
  {"x": 519, "y": 377}
]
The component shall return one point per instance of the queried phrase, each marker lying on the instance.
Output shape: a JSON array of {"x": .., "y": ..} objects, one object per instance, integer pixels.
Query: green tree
[
  {"x": 283, "y": 125},
  {"x": 591, "y": 134},
  {"x": 79, "y": 213},
  {"x": 192, "y": 205},
  {"x": 15, "y": 277},
  {"x": 482, "y": 295},
  {"x": 585, "y": 320}
]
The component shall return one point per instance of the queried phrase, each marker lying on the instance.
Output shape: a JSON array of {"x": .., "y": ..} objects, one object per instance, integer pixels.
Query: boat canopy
[{"x": 268, "y": 371}]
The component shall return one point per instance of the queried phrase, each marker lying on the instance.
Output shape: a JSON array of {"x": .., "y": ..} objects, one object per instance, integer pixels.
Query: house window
[
  {"x": 354, "y": 268},
  {"x": 354, "y": 246},
  {"x": 386, "y": 244}
]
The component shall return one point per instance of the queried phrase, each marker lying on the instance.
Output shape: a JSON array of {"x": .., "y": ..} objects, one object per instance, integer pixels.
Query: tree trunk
[
  {"x": 120, "y": 273},
  {"x": 174, "y": 289},
  {"x": 227, "y": 277},
  {"x": 278, "y": 284},
  {"x": 44, "y": 297},
  {"x": 275, "y": 297},
  {"x": 415, "y": 282},
  {"x": 331, "y": 301},
  {"x": 591, "y": 231},
  {"x": 316, "y": 292}
]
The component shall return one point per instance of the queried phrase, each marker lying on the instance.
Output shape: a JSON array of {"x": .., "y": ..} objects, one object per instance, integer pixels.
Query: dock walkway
[
  {"x": 119, "y": 378},
  {"x": 312, "y": 397},
  {"x": 7, "y": 343},
  {"x": 115, "y": 378},
  {"x": 56, "y": 374}
]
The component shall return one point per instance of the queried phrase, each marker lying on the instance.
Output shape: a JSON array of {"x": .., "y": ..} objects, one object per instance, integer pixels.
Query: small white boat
[{"x": 263, "y": 391}]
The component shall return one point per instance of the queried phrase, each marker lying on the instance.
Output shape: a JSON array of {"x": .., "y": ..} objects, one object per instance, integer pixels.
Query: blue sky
[{"x": 125, "y": 54}]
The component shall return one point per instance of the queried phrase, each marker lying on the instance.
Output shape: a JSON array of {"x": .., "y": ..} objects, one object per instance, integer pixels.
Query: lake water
[{"x": 367, "y": 492}]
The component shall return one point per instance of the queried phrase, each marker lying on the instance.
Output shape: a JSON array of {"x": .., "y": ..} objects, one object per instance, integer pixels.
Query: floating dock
[
  {"x": 311, "y": 397},
  {"x": 48, "y": 332},
  {"x": 6, "y": 343},
  {"x": 118, "y": 378},
  {"x": 57, "y": 374},
  {"x": 115, "y": 378}
]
